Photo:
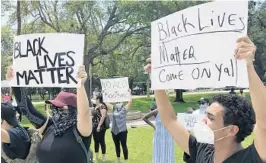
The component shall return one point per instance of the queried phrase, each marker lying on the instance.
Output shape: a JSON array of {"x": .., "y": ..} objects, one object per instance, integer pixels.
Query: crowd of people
[{"x": 64, "y": 134}]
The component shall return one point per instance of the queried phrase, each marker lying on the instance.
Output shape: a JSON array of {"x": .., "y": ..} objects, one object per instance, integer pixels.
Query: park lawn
[
  {"x": 140, "y": 146},
  {"x": 144, "y": 104},
  {"x": 140, "y": 139}
]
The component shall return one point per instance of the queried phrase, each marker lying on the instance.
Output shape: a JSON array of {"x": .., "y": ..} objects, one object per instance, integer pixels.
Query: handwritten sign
[
  {"x": 195, "y": 47},
  {"x": 115, "y": 90},
  {"x": 189, "y": 120},
  {"x": 47, "y": 59}
]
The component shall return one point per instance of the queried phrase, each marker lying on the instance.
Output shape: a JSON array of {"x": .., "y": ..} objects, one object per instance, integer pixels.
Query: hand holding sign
[
  {"x": 148, "y": 66},
  {"x": 245, "y": 49},
  {"x": 82, "y": 75}
]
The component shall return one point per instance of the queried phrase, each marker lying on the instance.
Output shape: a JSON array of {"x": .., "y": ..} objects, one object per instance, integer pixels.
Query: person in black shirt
[
  {"x": 98, "y": 129},
  {"x": 15, "y": 139},
  {"x": 227, "y": 122},
  {"x": 70, "y": 113}
]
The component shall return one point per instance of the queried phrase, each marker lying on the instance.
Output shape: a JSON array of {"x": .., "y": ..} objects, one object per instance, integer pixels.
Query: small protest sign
[
  {"x": 195, "y": 47},
  {"x": 115, "y": 90},
  {"x": 189, "y": 120},
  {"x": 47, "y": 59}
]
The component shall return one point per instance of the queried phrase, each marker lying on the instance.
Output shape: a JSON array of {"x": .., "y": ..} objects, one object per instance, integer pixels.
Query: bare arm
[
  {"x": 103, "y": 113},
  {"x": 128, "y": 105},
  {"x": 147, "y": 116},
  {"x": 84, "y": 118},
  {"x": 129, "y": 102},
  {"x": 258, "y": 98},
  {"x": 246, "y": 50},
  {"x": 5, "y": 136},
  {"x": 169, "y": 120}
]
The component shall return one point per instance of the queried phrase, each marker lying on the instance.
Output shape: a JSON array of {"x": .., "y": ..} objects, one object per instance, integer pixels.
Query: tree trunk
[
  {"x": 18, "y": 18},
  {"x": 179, "y": 95}
]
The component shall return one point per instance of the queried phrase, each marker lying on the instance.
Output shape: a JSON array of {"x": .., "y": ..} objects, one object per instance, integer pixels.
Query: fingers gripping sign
[
  {"x": 82, "y": 75},
  {"x": 245, "y": 49}
]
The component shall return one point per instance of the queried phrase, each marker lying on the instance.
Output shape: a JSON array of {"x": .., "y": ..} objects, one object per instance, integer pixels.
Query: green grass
[
  {"x": 144, "y": 104},
  {"x": 140, "y": 139}
]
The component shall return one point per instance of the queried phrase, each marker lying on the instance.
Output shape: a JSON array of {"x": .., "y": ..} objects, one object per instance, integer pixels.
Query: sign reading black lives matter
[
  {"x": 47, "y": 59},
  {"x": 195, "y": 47},
  {"x": 115, "y": 90}
]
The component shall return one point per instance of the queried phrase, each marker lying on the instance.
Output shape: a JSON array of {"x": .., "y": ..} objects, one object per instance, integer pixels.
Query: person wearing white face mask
[
  {"x": 228, "y": 121},
  {"x": 119, "y": 127},
  {"x": 204, "y": 103}
]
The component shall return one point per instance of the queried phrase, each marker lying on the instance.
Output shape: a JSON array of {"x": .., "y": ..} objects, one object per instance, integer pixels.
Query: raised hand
[
  {"x": 82, "y": 74},
  {"x": 148, "y": 66},
  {"x": 245, "y": 49}
]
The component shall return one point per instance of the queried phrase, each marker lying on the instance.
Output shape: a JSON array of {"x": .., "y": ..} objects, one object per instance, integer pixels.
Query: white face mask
[{"x": 204, "y": 134}]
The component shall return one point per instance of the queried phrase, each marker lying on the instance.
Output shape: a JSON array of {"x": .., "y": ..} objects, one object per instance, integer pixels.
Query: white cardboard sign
[
  {"x": 189, "y": 120},
  {"x": 115, "y": 90},
  {"x": 195, "y": 47},
  {"x": 47, "y": 59}
]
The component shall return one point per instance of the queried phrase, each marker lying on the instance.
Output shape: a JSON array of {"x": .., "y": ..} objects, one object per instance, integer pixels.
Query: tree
[
  {"x": 6, "y": 49},
  {"x": 179, "y": 95},
  {"x": 100, "y": 22},
  {"x": 257, "y": 32}
]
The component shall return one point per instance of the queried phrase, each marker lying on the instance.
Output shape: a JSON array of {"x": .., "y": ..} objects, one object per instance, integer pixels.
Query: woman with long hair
[
  {"x": 99, "y": 129},
  {"x": 66, "y": 134}
]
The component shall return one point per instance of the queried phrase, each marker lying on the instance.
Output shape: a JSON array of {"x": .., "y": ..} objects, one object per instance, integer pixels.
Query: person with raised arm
[
  {"x": 119, "y": 127},
  {"x": 227, "y": 122},
  {"x": 66, "y": 134}
]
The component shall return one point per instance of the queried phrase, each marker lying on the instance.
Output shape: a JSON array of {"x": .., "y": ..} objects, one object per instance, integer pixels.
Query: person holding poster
[
  {"x": 99, "y": 129},
  {"x": 71, "y": 121},
  {"x": 203, "y": 103},
  {"x": 163, "y": 143},
  {"x": 119, "y": 128},
  {"x": 228, "y": 121}
]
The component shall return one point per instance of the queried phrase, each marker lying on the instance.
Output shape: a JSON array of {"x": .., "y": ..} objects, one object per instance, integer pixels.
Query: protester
[
  {"x": 228, "y": 121},
  {"x": 241, "y": 93},
  {"x": 232, "y": 91},
  {"x": 119, "y": 129},
  {"x": 6, "y": 98},
  {"x": 99, "y": 129},
  {"x": 66, "y": 134},
  {"x": 163, "y": 143},
  {"x": 15, "y": 139},
  {"x": 203, "y": 103}
]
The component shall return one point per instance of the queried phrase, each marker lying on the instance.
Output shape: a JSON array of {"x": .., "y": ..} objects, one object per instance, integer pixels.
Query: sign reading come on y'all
[
  {"x": 115, "y": 90},
  {"x": 195, "y": 47},
  {"x": 47, "y": 59}
]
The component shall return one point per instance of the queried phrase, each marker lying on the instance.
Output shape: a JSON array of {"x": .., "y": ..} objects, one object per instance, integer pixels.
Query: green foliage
[{"x": 118, "y": 36}]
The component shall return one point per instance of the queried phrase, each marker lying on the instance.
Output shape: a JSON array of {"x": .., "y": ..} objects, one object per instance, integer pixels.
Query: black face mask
[{"x": 63, "y": 119}]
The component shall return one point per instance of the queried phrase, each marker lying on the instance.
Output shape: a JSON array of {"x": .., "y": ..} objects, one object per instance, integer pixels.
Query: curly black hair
[{"x": 237, "y": 111}]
